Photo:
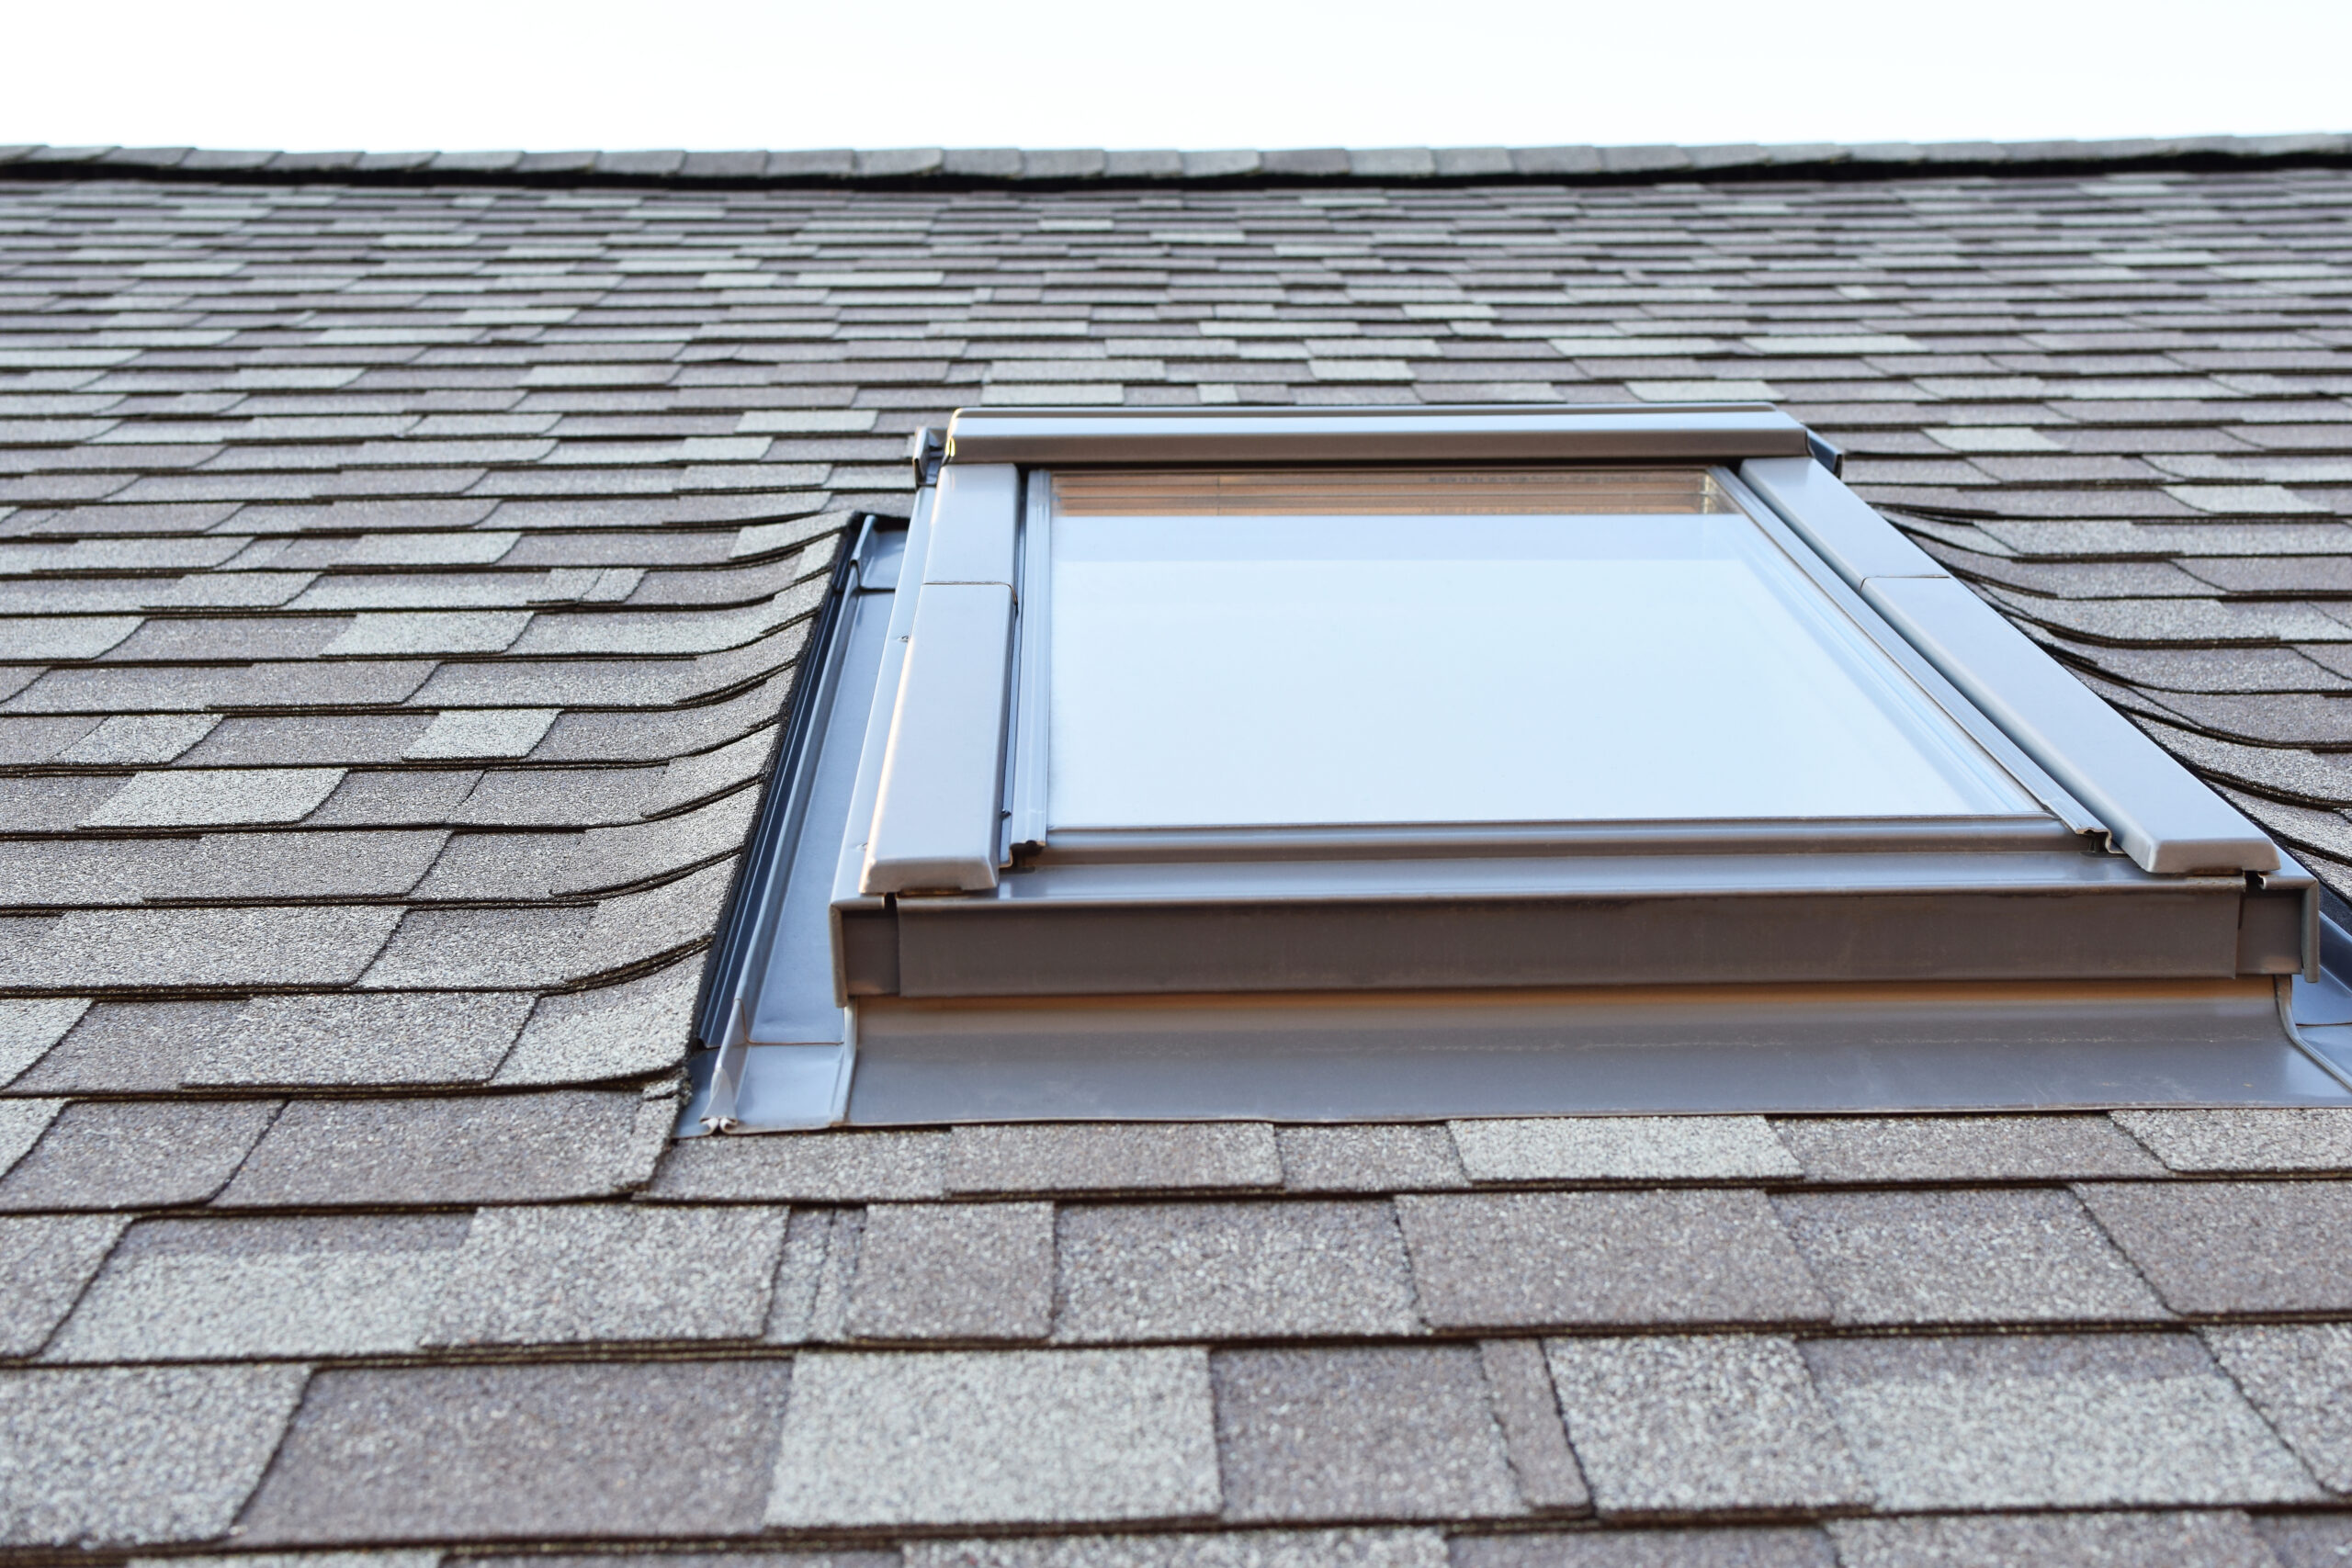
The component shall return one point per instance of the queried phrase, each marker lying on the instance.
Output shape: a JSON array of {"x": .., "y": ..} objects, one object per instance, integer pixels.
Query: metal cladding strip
[
  {"x": 2160, "y": 815},
  {"x": 935, "y": 826},
  {"x": 1855, "y": 541},
  {"x": 1713, "y": 433}
]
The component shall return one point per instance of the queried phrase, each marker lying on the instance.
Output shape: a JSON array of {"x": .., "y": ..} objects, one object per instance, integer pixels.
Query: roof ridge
[{"x": 993, "y": 166}]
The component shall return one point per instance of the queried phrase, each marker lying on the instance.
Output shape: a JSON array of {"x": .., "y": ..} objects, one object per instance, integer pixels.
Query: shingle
[
  {"x": 974, "y": 1271},
  {"x": 309, "y": 738},
  {"x": 1385, "y": 1432},
  {"x": 1124, "y": 1157},
  {"x": 1538, "y": 1260},
  {"x": 1013, "y": 1437},
  {"x": 22, "y": 1122},
  {"x": 140, "y": 738},
  {"x": 1962, "y": 1148},
  {"x": 482, "y": 732},
  {"x": 51, "y": 804},
  {"x": 45, "y": 1260},
  {"x": 505, "y": 867},
  {"x": 2052, "y": 1420},
  {"x": 476, "y": 1149},
  {"x": 2224, "y": 1540},
  {"x": 2263, "y": 1139},
  {"x": 623, "y": 1450},
  {"x": 312, "y": 945},
  {"x": 127, "y": 1047},
  {"x": 2235, "y": 1247},
  {"x": 552, "y": 1276},
  {"x": 2301, "y": 1379},
  {"x": 1222, "y": 1549},
  {"x": 1992, "y": 1257},
  {"x": 1754, "y": 1547},
  {"x": 304, "y": 1041},
  {"x": 204, "y": 797},
  {"x": 1701, "y": 1424},
  {"x": 306, "y": 864},
  {"x": 632, "y": 1030},
  {"x": 2322, "y": 1540},
  {"x": 30, "y": 1026},
  {"x": 1621, "y": 1148},
  {"x": 803, "y": 1168},
  {"x": 1231, "y": 1272},
  {"x": 122, "y": 1154},
  {"x": 245, "y": 1289},
  {"x": 1527, "y": 1409},
  {"x": 135, "y": 1456},
  {"x": 491, "y": 949},
  {"x": 1396, "y": 1158}
]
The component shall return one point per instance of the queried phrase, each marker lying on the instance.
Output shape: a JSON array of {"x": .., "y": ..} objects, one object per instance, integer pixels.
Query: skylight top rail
[{"x": 1682, "y": 432}]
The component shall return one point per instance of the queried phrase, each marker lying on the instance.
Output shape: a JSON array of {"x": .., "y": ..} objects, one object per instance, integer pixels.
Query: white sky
[{"x": 1195, "y": 73}]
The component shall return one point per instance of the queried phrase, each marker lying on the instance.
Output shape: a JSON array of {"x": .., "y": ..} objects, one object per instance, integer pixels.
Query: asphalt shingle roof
[{"x": 404, "y": 564}]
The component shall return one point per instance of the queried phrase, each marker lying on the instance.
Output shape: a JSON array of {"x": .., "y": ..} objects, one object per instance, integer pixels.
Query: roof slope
[{"x": 399, "y": 588}]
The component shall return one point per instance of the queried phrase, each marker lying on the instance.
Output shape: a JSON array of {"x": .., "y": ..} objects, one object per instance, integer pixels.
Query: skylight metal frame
[{"x": 954, "y": 901}]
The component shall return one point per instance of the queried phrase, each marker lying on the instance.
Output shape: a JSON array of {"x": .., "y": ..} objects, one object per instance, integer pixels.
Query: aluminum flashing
[
  {"x": 1733, "y": 1049},
  {"x": 1711, "y": 433}
]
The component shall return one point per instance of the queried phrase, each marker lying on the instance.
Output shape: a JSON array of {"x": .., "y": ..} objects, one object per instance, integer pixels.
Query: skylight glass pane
[{"x": 1389, "y": 665}]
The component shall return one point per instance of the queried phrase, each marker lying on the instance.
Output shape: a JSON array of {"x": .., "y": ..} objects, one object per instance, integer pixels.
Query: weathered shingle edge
[{"x": 934, "y": 166}]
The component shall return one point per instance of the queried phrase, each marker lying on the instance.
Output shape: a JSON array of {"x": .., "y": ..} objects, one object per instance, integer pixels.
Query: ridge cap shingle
[{"x": 1061, "y": 166}]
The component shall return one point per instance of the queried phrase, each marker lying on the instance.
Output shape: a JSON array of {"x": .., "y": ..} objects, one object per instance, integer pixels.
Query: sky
[{"x": 471, "y": 75}]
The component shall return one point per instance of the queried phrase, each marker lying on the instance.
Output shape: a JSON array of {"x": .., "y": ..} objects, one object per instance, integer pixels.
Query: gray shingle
[
  {"x": 2049, "y": 1421},
  {"x": 2301, "y": 1379},
  {"x": 45, "y": 1260},
  {"x": 22, "y": 1122},
  {"x": 1701, "y": 1424},
  {"x": 1231, "y": 1272},
  {"x": 309, "y": 1041},
  {"x": 1368, "y": 1159},
  {"x": 482, "y": 732},
  {"x": 1381, "y": 1433},
  {"x": 622, "y": 1451},
  {"x": 2224, "y": 1540},
  {"x": 1011, "y": 1437},
  {"x": 140, "y": 738},
  {"x": 480, "y": 1149},
  {"x": 30, "y": 1026},
  {"x": 631, "y": 1030},
  {"x": 811, "y": 1167},
  {"x": 1538, "y": 1260},
  {"x": 135, "y": 1456},
  {"x": 2321, "y": 1541},
  {"x": 1948, "y": 1148},
  {"x": 1993, "y": 1256},
  {"x": 126, "y": 1048},
  {"x": 1621, "y": 1148},
  {"x": 2264, "y": 1140},
  {"x": 110, "y": 1155},
  {"x": 954, "y": 1271},
  {"x": 175, "y": 949},
  {"x": 489, "y": 949},
  {"x": 2236, "y": 1246},
  {"x": 229, "y": 1289},
  {"x": 1764, "y": 1547},
  {"x": 206, "y": 797},
  {"x": 1125, "y": 1156},
  {"x": 552, "y": 1276},
  {"x": 304, "y": 865},
  {"x": 1223, "y": 1549},
  {"x": 1528, "y": 1410}
]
